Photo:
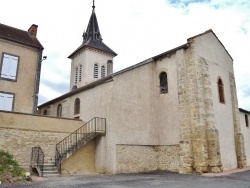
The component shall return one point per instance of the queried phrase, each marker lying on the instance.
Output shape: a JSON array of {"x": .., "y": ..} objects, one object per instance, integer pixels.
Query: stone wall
[
  {"x": 19, "y": 143},
  {"x": 139, "y": 158},
  {"x": 20, "y": 132}
]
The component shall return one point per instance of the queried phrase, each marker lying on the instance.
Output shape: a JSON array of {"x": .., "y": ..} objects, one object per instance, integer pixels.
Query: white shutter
[
  {"x": 6, "y": 101},
  {"x": 5, "y": 66},
  {"x": 9, "y": 67},
  {"x": 2, "y": 101},
  {"x": 13, "y": 68}
]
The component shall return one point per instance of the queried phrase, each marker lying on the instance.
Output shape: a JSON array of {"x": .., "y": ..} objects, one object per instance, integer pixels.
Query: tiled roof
[
  {"x": 92, "y": 37},
  {"x": 19, "y": 36}
]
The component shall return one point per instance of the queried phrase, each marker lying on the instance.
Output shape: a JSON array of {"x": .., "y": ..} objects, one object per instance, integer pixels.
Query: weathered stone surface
[
  {"x": 19, "y": 143},
  {"x": 138, "y": 158}
]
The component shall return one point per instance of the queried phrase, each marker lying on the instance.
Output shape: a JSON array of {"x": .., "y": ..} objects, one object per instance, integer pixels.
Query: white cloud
[{"x": 135, "y": 29}]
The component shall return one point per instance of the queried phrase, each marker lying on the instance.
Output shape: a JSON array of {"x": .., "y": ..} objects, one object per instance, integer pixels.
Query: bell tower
[{"x": 93, "y": 59}]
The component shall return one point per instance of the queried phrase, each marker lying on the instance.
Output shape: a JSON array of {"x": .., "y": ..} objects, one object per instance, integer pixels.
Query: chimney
[
  {"x": 33, "y": 30},
  {"x": 109, "y": 67}
]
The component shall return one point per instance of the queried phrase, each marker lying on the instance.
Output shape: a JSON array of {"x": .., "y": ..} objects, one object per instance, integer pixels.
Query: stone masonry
[
  {"x": 139, "y": 158},
  {"x": 199, "y": 141},
  {"x": 239, "y": 138},
  {"x": 19, "y": 143}
]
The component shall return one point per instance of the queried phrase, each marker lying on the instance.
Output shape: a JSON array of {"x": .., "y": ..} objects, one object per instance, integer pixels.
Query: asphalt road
[{"x": 146, "y": 180}]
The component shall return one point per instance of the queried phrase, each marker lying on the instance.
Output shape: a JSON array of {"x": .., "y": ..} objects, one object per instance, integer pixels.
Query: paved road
[{"x": 148, "y": 180}]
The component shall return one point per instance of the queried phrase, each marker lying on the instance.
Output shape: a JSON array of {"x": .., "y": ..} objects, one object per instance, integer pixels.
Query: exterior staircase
[
  {"x": 50, "y": 169},
  {"x": 68, "y": 146}
]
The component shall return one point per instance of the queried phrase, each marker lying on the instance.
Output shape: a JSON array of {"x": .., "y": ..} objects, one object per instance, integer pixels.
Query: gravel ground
[{"x": 146, "y": 180}]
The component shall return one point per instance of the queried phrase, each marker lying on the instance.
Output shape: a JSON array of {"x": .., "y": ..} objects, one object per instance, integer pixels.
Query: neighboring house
[
  {"x": 20, "y": 66},
  {"x": 245, "y": 128},
  {"x": 175, "y": 111}
]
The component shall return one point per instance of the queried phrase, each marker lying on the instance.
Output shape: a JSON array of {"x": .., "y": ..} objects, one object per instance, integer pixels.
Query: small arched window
[
  {"x": 77, "y": 106},
  {"x": 103, "y": 71},
  {"x": 95, "y": 71},
  {"x": 45, "y": 112},
  {"x": 59, "y": 110},
  {"x": 221, "y": 91},
  {"x": 163, "y": 82}
]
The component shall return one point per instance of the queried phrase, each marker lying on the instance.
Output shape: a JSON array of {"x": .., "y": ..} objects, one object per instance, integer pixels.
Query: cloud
[{"x": 136, "y": 30}]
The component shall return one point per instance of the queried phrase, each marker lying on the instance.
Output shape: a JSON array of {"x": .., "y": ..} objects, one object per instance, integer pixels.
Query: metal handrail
[
  {"x": 71, "y": 142},
  {"x": 37, "y": 159}
]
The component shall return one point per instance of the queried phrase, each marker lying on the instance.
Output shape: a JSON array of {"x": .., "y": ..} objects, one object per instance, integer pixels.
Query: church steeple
[
  {"x": 92, "y": 32},
  {"x": 92, "y": 36}
]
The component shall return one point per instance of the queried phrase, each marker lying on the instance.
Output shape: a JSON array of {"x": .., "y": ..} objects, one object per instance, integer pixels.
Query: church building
[{"x": 175, "y": 111}]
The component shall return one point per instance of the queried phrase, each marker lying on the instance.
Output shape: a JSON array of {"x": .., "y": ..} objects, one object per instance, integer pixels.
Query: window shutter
[
  {"x": 5, "y": 66},
  {"x": 13, "y": 68},
  {"x": 9, "y": 67},
  {"x": 6, "y": 101}
]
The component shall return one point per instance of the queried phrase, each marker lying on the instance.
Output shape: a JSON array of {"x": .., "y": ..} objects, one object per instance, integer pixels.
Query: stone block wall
[
  {"x": 139, "y": 158},
  {"x": 19, "y": 143}
]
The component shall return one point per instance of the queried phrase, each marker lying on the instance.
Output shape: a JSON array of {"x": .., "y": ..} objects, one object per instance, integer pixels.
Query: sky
[{"x": 135, "y": 29}]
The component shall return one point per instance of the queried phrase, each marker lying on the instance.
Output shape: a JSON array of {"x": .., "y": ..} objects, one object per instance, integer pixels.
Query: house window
[
  {"x": 77, "y": 106},
  {"x": 59, "y": 110},
  {"x": 6, "y": 101},
  {"x": 95, "y": 71},
  {"x": 163, "y": 82},
  {"x": 221, "y": 91},
  {"x": 246, "y": 120},
  {"x": 9, "y": 67},
  {"x": 103, "y": 71}
]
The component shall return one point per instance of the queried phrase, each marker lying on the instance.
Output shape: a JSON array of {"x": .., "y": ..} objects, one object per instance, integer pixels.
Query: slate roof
[
  {"x": 92, "y": 37},
  {"x": 19, "y": 36}
]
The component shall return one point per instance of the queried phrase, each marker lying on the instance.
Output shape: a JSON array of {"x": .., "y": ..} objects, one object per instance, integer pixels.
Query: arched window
[
  {"x": 45, "y": 112},
  {"x": 59, "y": 110},
  {"x": 77, "y": 106},
  {"x": 103, "y": 71},
  {"x": 163, "y": 82},
  {"x": 95, "y": 71},
  {"x": 221, "y": 91}
]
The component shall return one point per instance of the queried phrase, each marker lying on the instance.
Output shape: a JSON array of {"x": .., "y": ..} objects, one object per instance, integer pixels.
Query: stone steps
[{"x": 50, "y": 169}]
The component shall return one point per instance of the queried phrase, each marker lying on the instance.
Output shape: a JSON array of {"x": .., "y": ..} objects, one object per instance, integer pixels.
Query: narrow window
[
  {"x": 9, "y": 67},
  {"x": 103, "y": 71},
  {"x": 80, "y": 73},
  {"x": 163, "y": 82},
  {"x": 95, "y": 71},
  {"x": 45, "y": 112},
  {"x": 6, "y": 101},
  {"x": 59, "y": 110},
  {"x": 246, "y": 119},
  {"x": 77, "y": 106},
  {"x": 221, "y": 91},
  {"x": 76, "y": 75}
]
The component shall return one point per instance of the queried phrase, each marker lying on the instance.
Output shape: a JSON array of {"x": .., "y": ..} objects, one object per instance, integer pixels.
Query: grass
[{"x": 10, "y": 171}]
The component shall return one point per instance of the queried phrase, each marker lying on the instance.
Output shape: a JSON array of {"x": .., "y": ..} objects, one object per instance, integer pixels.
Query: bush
[{"x": 10, "y": 171}]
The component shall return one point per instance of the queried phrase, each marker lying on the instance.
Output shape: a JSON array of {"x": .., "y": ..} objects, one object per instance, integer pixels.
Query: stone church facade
[{"x": 175, "y": 111}]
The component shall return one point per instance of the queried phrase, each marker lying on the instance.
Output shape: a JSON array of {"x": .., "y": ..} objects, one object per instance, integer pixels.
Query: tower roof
[{"x": 92, "y": 36}]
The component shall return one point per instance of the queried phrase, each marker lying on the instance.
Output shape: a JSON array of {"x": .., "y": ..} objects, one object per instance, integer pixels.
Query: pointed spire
[
  {"x": 92, "y": 36},
  {"x": 92, "y": 31}
]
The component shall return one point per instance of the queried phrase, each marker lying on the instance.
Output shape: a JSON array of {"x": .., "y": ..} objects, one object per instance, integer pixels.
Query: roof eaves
[
  {"x": 84, "y": 88},
  {"x": 23, "y": 43},
  {"x": 184, "y": 46},
  {"x": 243, "y": 110}
]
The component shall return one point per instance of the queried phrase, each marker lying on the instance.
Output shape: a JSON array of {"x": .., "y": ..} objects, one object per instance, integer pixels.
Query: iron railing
[
  {"x": 37, "y": 159},
  {"x": 79, "y": 138}
]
